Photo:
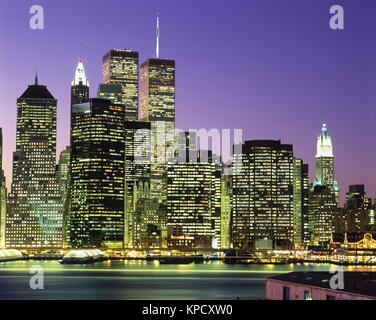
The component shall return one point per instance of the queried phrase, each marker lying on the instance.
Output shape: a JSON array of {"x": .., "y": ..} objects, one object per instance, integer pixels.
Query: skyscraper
[
  {"x": 34, "y": 217},
  {"x": 121, "y": 67},
  {"x": 110, "y": 91},
  {"x": 79, "y": 85},
  {"x": 189, "y": 199},
  {"x": 325, "y": 162},
  {"x": 263, "y": 194},
  {"x": 322, "y": 205},
  {"x": 64, "y": 188},
  {"x": 192, "y": 192},
  {"x": 97, "y": 174},
  {"x": 226, "y": 201},
  {"x": 137, "y": 173},
  {"x": 357, "y": 210},
  {"x": 157, "y": 106},
  {"x": 79, "y": 94},
  {"x": 3, "y": 195},
  {"x": 300, "y": 202},
  {"x": 157, "y": 95}
]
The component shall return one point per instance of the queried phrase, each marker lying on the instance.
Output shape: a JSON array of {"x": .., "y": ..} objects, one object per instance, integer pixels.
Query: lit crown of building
[
  {"x": 324, "y": 144},
  {"x": 80, "y": 77}
]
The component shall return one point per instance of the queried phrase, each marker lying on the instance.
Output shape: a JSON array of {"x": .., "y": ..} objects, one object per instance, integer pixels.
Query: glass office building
[
  {"x": 122, "y": 67},
  {"x": 263, "y": 194},
  {"x": 97, "y": 174},
  {"x": 300, "y": 201},
  {"x": 34, "y": 218},
  {"x": 157, "y": 106},
  {"x": 3, "y": 195}
]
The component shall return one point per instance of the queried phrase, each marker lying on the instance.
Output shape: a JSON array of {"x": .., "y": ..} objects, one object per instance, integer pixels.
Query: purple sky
[{"x": 273, "y": 68}]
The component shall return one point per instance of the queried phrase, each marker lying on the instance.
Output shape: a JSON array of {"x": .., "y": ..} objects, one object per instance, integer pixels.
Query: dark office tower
[
  {"x": 137, "y": 174},
  {"x": 64, "y": 188},
  {"x": 322, "y": 206},
  {"x": 35, "y": 216},
  {"x": 97, "y": 174},
  {"x": 325, "y": 162},
  {"x": 356, "y": 192},
  {"x": 357, "y": 210},
  {"x": 300, "y": 202},
  {"x": 121, "y": 67},
  {"x": 79, "y": 85},
  {"x": 263, "y": 194},
  {"x": 110, "y": 91},
  {"x": 3, "y": 194}
]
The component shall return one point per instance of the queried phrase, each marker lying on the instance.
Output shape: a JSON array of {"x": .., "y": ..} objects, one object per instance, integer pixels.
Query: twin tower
[
  {"x": 129, "y": 98},
  {"x": 91, "y": 195}
]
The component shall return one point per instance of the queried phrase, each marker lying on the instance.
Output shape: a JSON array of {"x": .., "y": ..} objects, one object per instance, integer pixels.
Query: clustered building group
[{"x": 99, "y": 195}]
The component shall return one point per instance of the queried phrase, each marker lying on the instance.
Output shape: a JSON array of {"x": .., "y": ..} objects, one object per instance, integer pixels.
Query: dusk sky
[{"x": 273, "y": 68}]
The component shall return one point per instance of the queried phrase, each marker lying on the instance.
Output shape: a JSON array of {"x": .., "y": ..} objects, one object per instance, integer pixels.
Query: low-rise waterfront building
[{"x": 316, "y": 286}]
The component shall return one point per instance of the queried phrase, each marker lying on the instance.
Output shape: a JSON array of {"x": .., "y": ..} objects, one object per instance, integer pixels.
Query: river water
[{"x": 144, "y": 280}]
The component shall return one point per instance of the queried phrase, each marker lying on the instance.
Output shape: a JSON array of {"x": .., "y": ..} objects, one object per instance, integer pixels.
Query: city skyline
[
  {"x": 198, "y": 108},
  {"x": 175, "y": 151}
]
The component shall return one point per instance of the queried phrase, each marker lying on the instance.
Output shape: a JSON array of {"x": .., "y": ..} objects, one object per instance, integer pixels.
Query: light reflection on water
[{"x": 136, "y": 279}]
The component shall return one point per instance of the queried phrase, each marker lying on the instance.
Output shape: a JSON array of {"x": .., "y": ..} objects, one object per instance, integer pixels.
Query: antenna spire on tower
[
  {"x": 157, "y": 49},
  {"x": 36, "y": 78},
  {"x": 80, "y": 50}
]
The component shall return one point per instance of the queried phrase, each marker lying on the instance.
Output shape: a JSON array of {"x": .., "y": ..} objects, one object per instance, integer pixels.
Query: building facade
[
  {"x": 97, "y": 174},
  {"x": 137, "y": 175},
  {"x": 110, "y": 91},
  {"x": 122, "y": 67},
  {"x": 226, "y": 205},
  {"x": 3, "y": 195},
  {"x": 190, "y": 199},
  {"x": 322, "y": 205},
  {"x": 357, "y": 214},
  {"x": 193, "y": 196},
  {"x": 157, "y": 106},
  {"x": 34, "y": 218},
  {"x": 325, "y": 162},
  {"x": 63, "y": 179},
  {"x": 300, "y": 201},
  {"x": 263, "y": 195}
]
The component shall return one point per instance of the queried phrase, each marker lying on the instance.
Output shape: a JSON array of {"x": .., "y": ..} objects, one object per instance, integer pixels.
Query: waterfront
[{"x": 145, "y": 280}]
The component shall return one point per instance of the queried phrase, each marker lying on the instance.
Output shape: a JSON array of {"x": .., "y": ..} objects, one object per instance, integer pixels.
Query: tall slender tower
[
  {"x": 300, "y": 203},
  {"x": 34, "y": 217},
  {"x": 121, "y": 67},
  {"x": 137, "y": 177},
  {"x": 325, "y": 162},
  {"x": 64, "y": 188},
  {"x": 2, "y": 195},
  {"x": 157, "y": 106}
]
